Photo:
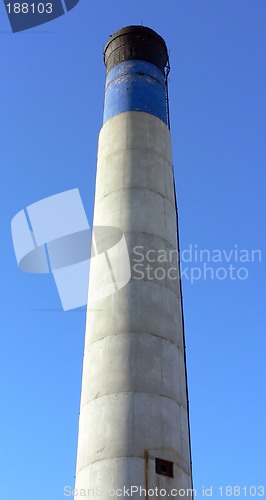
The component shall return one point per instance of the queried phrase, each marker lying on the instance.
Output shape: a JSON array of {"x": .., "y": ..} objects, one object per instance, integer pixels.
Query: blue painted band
[{"x": 135, "y": 86}]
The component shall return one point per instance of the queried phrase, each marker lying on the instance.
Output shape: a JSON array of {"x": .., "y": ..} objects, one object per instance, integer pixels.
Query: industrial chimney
[{"x": 134, "y": 425}]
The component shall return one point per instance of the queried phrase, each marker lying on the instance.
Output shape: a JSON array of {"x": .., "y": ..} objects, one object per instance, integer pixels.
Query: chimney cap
[{"x": 135, "y": 43}]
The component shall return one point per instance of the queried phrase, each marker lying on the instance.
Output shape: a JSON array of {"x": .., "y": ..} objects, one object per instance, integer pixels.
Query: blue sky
[{"x": 51, "y": 113}]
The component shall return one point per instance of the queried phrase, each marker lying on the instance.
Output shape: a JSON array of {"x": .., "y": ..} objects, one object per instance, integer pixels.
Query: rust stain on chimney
[{"x": 146, "y": 469}]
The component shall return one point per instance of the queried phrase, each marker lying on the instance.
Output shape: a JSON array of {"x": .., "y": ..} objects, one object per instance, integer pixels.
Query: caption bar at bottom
[{"x": 133, "y": 491}]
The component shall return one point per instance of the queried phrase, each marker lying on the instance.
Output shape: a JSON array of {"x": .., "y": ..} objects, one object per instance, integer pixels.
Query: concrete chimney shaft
[{"x": 134, "y": 427}]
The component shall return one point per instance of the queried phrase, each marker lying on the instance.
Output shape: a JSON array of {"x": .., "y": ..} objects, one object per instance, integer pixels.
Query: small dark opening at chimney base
[{"x": 164, "y": 467}]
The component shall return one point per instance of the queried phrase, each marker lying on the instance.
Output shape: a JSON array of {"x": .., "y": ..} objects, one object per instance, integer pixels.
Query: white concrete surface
[{"x": 134, "y": 400}]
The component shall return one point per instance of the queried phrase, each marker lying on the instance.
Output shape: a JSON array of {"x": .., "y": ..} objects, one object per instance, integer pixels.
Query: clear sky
[{"x": 52, "y": 82}]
